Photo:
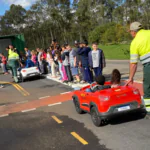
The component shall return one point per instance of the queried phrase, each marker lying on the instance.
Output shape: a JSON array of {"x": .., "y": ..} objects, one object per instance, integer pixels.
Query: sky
[{"x": 5, "y": 4}]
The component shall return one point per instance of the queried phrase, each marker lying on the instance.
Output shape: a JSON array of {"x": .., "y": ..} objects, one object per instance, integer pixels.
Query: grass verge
[{"x": 117, "y": 52}]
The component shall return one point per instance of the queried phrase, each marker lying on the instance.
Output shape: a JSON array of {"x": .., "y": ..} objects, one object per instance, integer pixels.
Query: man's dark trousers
[{"x": 146, "y": 85}]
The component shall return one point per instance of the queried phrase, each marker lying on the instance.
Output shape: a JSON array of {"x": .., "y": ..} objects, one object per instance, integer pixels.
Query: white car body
[{"x": 29, "y": 72}]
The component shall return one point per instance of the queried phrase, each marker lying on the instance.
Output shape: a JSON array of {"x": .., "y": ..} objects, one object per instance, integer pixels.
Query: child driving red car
[{"x": 100, "y": 81}]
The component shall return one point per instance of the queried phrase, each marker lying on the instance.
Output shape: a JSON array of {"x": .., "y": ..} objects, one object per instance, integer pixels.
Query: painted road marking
[
  {"x": 65, "y": 93},
  {"x": 23, "y": 89},
  {"x": 44, "y": 97},
  {"x": 79, "y": 138},
  {"x": 5, "y": 115},
  {"x": 57, "y": 120},
  {"x": 55, "y": 104},
  {"x": 21, "y": 102},
  {"x": 20, "y": 89},
  {"x": 4, "y": 82},
  {"x": 28, "y": 110}
]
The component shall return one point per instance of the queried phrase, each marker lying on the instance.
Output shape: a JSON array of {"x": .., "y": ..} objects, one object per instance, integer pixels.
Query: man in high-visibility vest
[
  {"x": 140, "y": 48},
  {"x": 13, "y": 62}
]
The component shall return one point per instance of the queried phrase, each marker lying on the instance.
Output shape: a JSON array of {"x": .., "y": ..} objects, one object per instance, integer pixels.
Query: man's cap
[{"x": 135, "y": 26}]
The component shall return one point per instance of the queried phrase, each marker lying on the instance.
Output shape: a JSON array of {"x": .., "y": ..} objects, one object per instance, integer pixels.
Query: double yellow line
[{"x": 18, "y": 87}]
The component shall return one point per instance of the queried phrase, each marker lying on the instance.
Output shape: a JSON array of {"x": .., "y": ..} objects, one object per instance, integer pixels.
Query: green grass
[{"x": 119, "y": 52}]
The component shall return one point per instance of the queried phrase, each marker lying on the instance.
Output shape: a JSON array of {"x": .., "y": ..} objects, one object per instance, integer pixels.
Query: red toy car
[{"x": 107, "y": 103}]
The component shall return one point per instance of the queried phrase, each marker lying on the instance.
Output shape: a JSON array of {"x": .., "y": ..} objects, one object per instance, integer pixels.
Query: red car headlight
[
  {"x": 136, "y": 92},
  {"x": 103, "y": 98}
]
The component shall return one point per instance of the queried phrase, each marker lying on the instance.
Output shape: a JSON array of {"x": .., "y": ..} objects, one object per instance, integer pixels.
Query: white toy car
[{"x": 28, "y": 72}]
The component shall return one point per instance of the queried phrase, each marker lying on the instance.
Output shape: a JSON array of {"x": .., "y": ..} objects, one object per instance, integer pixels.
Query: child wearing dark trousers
[
  {"x": 96, "y": 60},
  {"x": 83, "y": 52},
  {"x": 65, "y": 59}
]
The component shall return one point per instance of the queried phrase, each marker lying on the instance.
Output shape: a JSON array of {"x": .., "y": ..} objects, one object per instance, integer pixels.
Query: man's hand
[
  {"x": 130, "y": 81},
  {"x": 133, "y": 68}
]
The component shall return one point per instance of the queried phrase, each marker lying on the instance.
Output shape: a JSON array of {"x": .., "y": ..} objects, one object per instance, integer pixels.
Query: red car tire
[
  {"x": 77, "y": 105},
  {"x": 95, "y": 117}
]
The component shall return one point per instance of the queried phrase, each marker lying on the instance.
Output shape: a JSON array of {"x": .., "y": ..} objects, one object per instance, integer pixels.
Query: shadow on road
[
  {"x": 35, "y": 78},
  {"x": 127, "y": 118}
]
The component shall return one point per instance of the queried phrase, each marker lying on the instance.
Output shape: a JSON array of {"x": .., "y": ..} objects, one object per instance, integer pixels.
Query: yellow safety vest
[
  {"x": 12, "y": 55},
  {"x": 140, "y": 47}
]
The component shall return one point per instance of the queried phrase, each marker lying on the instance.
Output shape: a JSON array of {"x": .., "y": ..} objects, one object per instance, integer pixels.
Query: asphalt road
[
  {"x": 37, "y": 130},
  {"x": 128, "y": 132},
  {"x": 36, "y": 88},
  {"x": 123, "y": 67}
]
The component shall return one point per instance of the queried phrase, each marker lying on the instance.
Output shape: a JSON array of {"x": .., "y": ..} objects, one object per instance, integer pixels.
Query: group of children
[
  {"x": 79, "y": 64},
  {"x": 75, "y": 64}
]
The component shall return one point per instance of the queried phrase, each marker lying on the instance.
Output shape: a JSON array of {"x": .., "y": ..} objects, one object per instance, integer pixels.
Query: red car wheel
[
  {"x": 95, "y": 117},
  {"x": 77, "y": 105}
]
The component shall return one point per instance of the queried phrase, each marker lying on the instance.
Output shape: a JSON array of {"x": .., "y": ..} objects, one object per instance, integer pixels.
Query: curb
[
  {"x": 77, "y": 86},
  {"x": 74, "y": 86}
]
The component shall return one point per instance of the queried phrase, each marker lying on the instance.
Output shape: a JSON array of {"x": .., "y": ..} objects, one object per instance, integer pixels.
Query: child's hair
[
  {"x": 116, "y": 76},
  {"x": 100, "y": 80},
  {"x": 64, "y": 46},
  {"x": 58, "y": 54},
  {"x": 94, "y": 43},
  {"x": 33, "y": 52},
  {"x": 51, "y": 48}
]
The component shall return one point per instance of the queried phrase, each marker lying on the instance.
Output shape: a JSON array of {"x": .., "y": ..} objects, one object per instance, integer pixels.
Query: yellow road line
[
  {"x": 79, "y": 138},
  {"x": 57, "y": 120},
  {"x": 23, "y": 89},
  {"x": 19, "y": 89},
  {"x": 3, "y": 82}
]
